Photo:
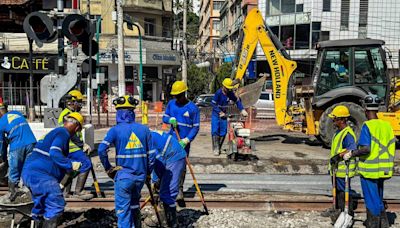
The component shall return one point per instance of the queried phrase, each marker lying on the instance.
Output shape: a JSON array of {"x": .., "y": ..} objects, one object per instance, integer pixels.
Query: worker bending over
[
  {"x": 16, "y": 133},
  {"x": 77, "y": 149},
  {"x": 344, "y": 139},
  {"x": 376, "y": 151},
  {"x": 46, "y": 166},
  {"x": 184, "y": 116},
  {"x": 169, "y": 165},
  {"x": 134, "y": 159},
  {"x": 219, "y": 121}
]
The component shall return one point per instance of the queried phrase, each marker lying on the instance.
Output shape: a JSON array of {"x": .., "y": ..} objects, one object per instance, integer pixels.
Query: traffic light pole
[
  {"x": 60, "y": 9},
  {"x": 31, "y": 104},
  {"x": 89, "y": 94},
  {"x": 140, "y": 65},
  {"x": 98, "y": 70}
]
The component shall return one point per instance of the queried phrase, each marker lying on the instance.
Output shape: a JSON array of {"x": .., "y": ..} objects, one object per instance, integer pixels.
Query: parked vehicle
[
  {"x": 265, "y": 105},
  {"x": 203, "y": 100}
]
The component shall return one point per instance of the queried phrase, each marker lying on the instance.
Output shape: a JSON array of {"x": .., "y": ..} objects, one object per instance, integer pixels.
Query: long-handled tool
[
  {"x": 145, "y": 202},
  {"x": 153, "y": 202},
  {"x": 96, "y": 183},
  {"x": 345, "y": 220},
  {"x": 194, "y": 178}
]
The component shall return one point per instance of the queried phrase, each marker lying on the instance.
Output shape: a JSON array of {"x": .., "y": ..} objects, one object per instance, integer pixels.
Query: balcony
[{"x": 164, "y": 5}]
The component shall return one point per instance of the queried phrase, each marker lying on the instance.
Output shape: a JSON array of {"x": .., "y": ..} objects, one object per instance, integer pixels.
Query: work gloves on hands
[
  {"x": 222, "y": 115},
  {"x": 347, "y": 155},
  {"x": 87, "y": 149},
  {"x": 173, "y": 122},
  {"x": 113, "y": 171},
  {"x": 183, "y": 142},
  {"x": 76, "y": 166},
  {"x": 244, "y": 113}
]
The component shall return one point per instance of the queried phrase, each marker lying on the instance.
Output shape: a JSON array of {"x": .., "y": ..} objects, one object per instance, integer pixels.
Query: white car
[{"x": 265, "y": 105}]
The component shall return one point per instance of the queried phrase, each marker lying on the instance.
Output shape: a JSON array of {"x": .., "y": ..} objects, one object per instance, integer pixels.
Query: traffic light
[
  {"x": 40, "y": 28},
  {"x": 77, "y": 29}
]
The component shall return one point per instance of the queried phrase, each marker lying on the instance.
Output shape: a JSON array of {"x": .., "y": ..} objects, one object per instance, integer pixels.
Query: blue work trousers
[
  {"x": 218, "y": 126},
  {"x": 47, "y": 196},
  {"x": 80, "y": 156},
  {"x": 169, "y": 175},
  {"x": 373, "y": 195},
  {"x": 16, "y": 159},
  {"x": 127, "y": 196}
]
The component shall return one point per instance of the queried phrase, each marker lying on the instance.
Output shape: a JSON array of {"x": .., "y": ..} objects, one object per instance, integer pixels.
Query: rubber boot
[
  {"x": 170, "y": 213},
  {"x": 13, "y": 189},
  {"x": 163, "y": 215},
  {"x": 51, "y": 223},
  {"x": 137, "y": 218},
  {"x": 374, "y": 222},
  {"x": 38, "y": 224},
  {"x": 220, "y": 143},
  {"x": 179, "y": 198},
  {"x": 384, "y": 220},
  {"x": 80, "y": 184},
  {"x": 215, "y": 145},
  {"x": 367, "y": 221},
  {"x": 66, "y": 182}
]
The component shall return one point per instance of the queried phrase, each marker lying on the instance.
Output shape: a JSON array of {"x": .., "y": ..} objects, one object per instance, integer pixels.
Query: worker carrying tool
[
  {"x": 15, "y": 133},
  {"x": 45, "y": 167},
  {"x": 183, "y": 115},
  {"x": 168, "y": 167},
  {"x": 134, "y": 160},
  {"x": 78, "y": 150},
  {"x": 219, "y": 116},
  {"x": 344, "y": 139},
  {"x": 376, "y": 149}
]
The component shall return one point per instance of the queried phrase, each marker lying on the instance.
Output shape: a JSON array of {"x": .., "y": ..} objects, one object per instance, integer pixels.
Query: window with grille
[
  {"x": 344, "y": 15},
  {"x": 149, "y": 26},
  {"x": 326, "y": 5},
  {"x": 363, "y": 19}
]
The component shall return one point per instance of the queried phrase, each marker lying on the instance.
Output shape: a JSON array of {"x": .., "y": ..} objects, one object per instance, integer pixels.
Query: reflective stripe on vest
[
  {"x": 380, "y": 161},
  {"x": 337, "y": 148}
]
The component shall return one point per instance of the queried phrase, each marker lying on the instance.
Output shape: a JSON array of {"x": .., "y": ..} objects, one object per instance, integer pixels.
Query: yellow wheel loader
[{"x": 345, "y": 71}]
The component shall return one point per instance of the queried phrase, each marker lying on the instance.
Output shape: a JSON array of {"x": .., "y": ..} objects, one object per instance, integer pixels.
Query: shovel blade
[{"x": 344, "y": 221}]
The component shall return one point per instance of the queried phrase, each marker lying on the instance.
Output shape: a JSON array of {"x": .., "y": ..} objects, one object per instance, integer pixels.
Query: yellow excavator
[{"x": 345, "y": 72}]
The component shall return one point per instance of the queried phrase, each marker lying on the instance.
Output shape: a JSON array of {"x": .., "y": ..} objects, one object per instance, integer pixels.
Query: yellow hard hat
[
  {"x": 126, "y": 101},
  {"x": 339, "y": 111},
  {"x": 76, "y": 95},
  {"x": 178, "y": 87},
  {"x": 77, "y": 116},
  {"x": 227, "y": 82}
]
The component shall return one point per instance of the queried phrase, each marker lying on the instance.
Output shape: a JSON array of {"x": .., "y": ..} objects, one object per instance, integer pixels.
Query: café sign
[{"x": 20, "y": 63}]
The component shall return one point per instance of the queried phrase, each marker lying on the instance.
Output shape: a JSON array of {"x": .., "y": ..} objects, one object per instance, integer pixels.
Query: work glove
[
  {"x": 183, "y": 142},
  {"x": 173, "y": 122},
  {"x": 335, "y": 160},
  {"x": 113, "y": 171},
  {"x": 347, "y": 155},
  {"x": 76, "y": 166},
  {"x": 244, "y": 113},
  {"x": 87, "y": 149},
  {"x": 222, "y": 115}
]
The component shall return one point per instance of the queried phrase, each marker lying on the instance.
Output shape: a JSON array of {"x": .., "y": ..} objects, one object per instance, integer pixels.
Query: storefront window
[{"x": 302, "y": 36}]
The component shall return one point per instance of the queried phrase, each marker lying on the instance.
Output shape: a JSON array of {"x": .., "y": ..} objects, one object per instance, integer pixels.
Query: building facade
[{"x": 209, "y": 30}]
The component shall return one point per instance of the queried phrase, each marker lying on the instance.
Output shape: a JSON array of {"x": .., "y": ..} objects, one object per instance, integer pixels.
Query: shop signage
[
  {"x": 131, "y": 56},
  {"x": 167, "y": 58},
  {"x": 20, "y": 63}
]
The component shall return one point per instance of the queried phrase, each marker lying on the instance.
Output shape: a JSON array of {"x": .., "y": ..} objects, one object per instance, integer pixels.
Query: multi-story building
[{"x": 209, "y": 30}]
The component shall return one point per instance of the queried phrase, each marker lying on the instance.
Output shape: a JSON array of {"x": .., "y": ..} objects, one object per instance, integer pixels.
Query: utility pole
[
  {"x": 121, "y": 51},
  {"x": 89, "y": 90},
  {"x": 184, "y": 60},
  {"x": 31, "y": 103}
]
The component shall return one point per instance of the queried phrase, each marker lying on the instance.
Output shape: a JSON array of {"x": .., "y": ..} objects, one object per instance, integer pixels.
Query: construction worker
[
  {"x": 376, "y": 149},
  {"x": 16, "y": 133},
  {"x": 134, "y": 159},
  {"x": 169, "y": 165},
  {"x": 45, "y": 167},
  {"x": 184, "y": 116},
  {"x": 77, "y": 149},
  {"x": 344, "y": 139},
  {"x": 219, "y": 121}
]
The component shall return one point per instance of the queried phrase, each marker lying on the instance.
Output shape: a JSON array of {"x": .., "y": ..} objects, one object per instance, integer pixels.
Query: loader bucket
[{"x": 250, "y": 94}]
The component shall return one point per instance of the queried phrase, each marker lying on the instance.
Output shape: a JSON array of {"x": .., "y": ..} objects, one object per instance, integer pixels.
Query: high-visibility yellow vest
[
  {"x": 76, "y": 140},
  {"x": 380, "y": 161},
  {"x": 337, "y": 148}
]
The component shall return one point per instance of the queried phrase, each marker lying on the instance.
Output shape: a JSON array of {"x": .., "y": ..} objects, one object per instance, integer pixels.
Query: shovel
[{"x": 345, "y": 220}]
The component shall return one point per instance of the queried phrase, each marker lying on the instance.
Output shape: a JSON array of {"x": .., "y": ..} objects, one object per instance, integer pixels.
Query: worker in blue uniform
[
  {"x": 169, "y": 165},
  {"x": 184, "y": 116},
  {"x": 78, "y": 150},
  {"x": 15, "y": 133},
  {"x": 219, "y": 121},
  {"x": 376, "y": 161},
  {"x": 134, "y": 160},
  {"x": 46, "y": 166}
]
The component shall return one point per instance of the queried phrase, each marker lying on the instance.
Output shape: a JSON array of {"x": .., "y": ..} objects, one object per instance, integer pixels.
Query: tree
[
  {"x": 223, "y": 71},
  {"x": 198, "y": 80}
]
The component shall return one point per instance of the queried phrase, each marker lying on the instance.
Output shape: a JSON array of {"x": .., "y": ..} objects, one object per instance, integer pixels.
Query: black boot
[
  {"x": 137, "y": 218},
  {"x": 374, "y": 222},
  {"x": 51, "y": 223},
  {"x": 384, "y": 220},
  {"x": 215, "y": 145},
  {"x": 221, "y": 142},
  {"x": 13, "y": 189},
  {"x": 170, "y": 213},
  {"x": 80, "y": 184},
  {"x": 66, "y": 182},
  {"x": 180, "y": 199},
  {"x": 367, "y": 221}
]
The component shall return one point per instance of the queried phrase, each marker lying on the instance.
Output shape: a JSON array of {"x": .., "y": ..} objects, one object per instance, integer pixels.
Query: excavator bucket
[{"x": 249, "y": 94}]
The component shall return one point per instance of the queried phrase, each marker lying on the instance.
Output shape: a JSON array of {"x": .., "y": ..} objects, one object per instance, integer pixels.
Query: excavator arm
[{"x": 281, "y": 66}]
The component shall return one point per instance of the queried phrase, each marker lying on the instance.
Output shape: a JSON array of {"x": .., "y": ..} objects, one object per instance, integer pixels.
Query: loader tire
[{"x": 327, "y": 129}]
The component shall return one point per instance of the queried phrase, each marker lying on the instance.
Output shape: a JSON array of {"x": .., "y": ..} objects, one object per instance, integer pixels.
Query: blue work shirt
[
  {"x": 49, "y": 156},
  {"x": 15, "y": 131},
  {"x": 187, "y": 117},
  {"x": 168, "y": 148},
  {"x": 349, "y": 143},
  {"x": 365, "y": 136},
  {"x": 220, "y": 101},
  {"x": 134, "y": 148}
]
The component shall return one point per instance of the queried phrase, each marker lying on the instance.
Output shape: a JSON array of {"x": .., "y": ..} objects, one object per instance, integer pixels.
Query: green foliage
[
  {"x": 223, "y": 71},
  {"x": 198, "y": 80}
]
